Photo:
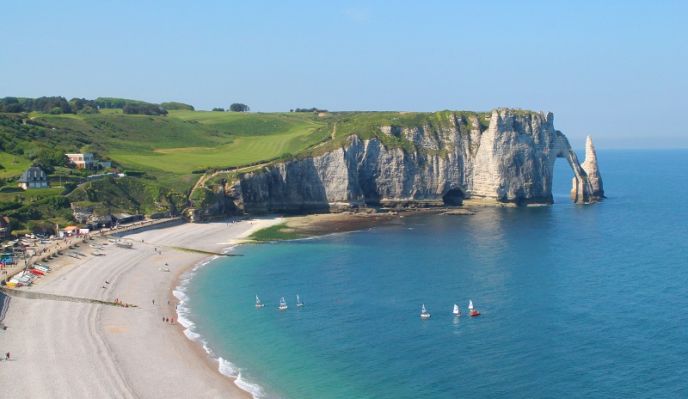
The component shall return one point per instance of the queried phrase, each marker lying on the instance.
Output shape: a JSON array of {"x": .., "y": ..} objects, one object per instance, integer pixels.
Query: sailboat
[
  {"x": 424, "y": 314},
  {"x": 456, "y": 311},
  {"x": 471, "y": 310},
  {"x": 298, "y": 301},
  {"x": 259, "y": 304},
  {"x": 283, "y": 304}
]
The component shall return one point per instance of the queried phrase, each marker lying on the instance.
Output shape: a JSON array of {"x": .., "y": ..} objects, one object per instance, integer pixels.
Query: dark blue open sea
[{"x": 576, "y": 301}]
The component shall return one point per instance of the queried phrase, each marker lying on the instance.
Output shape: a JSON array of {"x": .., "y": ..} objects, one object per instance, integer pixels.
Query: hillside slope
[{"x": 223, "y": 162}]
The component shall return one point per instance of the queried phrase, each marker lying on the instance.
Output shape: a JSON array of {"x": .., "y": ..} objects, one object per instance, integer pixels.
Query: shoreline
[
  {"x": 114, "y": 351},
  {"x": 312, "y": 225},
  {"x": 130, "y": 352},
  {"x": 177, "y": 283}
]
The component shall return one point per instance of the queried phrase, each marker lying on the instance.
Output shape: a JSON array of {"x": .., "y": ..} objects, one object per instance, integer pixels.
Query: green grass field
[
  {"x": 186, "y": 141},
  {"x": 32, "y": 195}
]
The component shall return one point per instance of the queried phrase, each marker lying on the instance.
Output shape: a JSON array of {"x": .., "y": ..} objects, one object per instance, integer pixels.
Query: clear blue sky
[{"x": 613, "y": 69}]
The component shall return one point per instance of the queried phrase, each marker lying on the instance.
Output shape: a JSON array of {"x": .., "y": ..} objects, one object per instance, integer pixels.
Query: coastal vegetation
[
  {"x": 276, "y": 232},
  {"x": 164, "y": 149}
]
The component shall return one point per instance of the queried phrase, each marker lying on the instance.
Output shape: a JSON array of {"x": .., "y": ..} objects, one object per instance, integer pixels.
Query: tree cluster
[
  {"x": 238, "y": 107},
  {"x": 131, "y": 106},
  {"x": 48, "y": 105},
  {"x": 173, "y": 105},
  {"x": 83, "y": 106},
  {"x": 47, "y": 159},
  {"x": 313, "y": 109},
  {"x": 144, "y": 109},
  {"x": 218, "y": 109},
  {"x": 112, "y": 102}
]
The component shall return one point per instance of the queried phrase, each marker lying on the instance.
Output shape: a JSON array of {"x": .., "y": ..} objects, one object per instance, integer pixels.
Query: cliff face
[{"x": 510, "y": 161}]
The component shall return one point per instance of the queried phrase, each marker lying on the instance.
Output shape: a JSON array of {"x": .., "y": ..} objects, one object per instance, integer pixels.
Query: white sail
[
  {"x": 257, "y": 300},
  {"x": 470, "y": 305},
  {"x": 456, "y": 309},
  {"x": 283, "y": 304},
  {"x": 424, "y": 314},
  {"x": 298, "y": 300}
]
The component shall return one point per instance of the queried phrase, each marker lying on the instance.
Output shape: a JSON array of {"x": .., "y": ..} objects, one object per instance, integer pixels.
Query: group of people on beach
[
  {"x": 118, "y": 302},
  {"x": 168, "y": 320}
]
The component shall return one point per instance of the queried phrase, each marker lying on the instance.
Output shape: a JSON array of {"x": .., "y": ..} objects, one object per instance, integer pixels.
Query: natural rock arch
[{"x": 587, "y": 182}]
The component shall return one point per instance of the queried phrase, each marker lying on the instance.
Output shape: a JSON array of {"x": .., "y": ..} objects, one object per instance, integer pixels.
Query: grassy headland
[{"x": 165, "y": 155}]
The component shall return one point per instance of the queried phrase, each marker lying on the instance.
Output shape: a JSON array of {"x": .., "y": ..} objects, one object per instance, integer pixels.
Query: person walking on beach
[
  {"x": 153, "y": 301},
  {"x": 7, "y": 356}
]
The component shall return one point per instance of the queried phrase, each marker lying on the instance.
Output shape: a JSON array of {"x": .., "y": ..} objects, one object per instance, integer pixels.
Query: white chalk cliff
[{"x": 512, "y": 160}]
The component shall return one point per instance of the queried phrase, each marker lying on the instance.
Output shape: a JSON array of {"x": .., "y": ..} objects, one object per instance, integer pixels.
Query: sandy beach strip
[{"x": 63, "y": 349}]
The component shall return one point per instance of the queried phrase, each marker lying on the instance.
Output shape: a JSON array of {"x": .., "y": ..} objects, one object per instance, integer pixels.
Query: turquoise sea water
[{"x": 576, "y": 301}]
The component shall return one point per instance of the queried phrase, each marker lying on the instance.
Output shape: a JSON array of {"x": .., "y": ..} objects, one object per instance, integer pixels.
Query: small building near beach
[
  {"x": 82, "y": 160},
  {"x": 70, "y": 230},
  {"x": 33, "y": 177}
]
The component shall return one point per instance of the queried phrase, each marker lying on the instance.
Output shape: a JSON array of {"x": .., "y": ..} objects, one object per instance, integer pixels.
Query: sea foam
[{"x": 225, "y": 367}]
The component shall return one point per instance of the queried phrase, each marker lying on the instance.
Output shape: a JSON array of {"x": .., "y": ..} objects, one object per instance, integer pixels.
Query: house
[
  {"x": 82, "y": 160},
  {"x": 70, "y": 230},
  {"x": 5, "y": 228},
  {"x": 33, "y": 177}
]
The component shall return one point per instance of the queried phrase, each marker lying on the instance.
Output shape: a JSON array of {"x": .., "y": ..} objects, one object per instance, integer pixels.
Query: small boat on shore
[
  {"x": 42, "y": 268},
  {"x": 471, "y": 310},
  {"x": 259, "y": 304},
  {"x": 282, "y": 304},
  {"x": 424, "y": 314},
  {"x": 298, "y": 301},
  {"x": 456, "y": 312}
]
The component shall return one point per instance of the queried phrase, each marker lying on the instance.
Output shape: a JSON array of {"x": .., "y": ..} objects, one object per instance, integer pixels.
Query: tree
[
  {"x": 144, "y": 109},
  {"x": 238, "y": 107},
  {"x": 218, "y": 109},
  {"x": 173, "y": 105},
  {"x": 313, "y": 109},
  {"x": 83, "y": 106},
  {"x": 47, "y": 159}
]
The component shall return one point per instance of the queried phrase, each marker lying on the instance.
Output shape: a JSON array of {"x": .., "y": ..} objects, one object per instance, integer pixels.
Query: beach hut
[{"x": 70, "y": 230}]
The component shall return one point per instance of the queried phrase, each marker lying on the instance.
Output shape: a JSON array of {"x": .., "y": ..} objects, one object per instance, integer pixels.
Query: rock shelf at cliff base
[{"x": 508, "y": 159}]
